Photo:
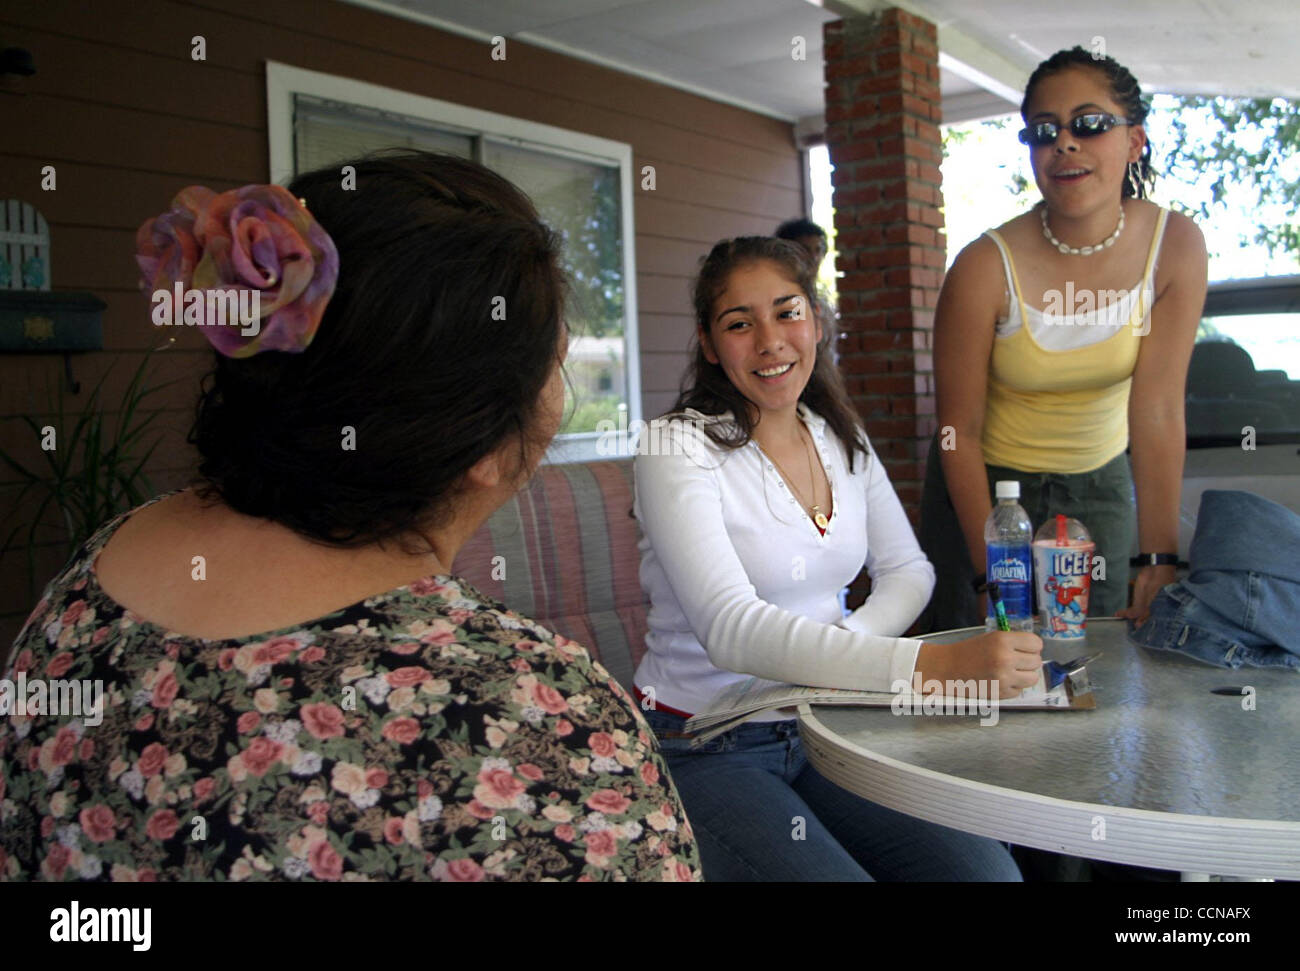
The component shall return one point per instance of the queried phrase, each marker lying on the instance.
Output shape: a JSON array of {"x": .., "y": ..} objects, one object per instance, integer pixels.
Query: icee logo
[
  {"x": 1071, "y": 563},
  {"x": 1008, "y": 570}
]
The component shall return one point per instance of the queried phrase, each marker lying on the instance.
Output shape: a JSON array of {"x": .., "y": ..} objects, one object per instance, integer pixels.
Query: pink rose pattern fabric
[{"x": 425, "y": 734}]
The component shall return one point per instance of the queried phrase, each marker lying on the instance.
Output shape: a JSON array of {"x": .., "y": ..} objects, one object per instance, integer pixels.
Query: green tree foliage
[
  {"x": 1254, "y": 145},
  {"x": 593, "y": 251},
  {"x": 954, "y": 136}
]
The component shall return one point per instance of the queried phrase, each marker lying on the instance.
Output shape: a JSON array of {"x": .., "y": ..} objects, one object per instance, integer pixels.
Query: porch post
[{"x": 882, "y": 128}]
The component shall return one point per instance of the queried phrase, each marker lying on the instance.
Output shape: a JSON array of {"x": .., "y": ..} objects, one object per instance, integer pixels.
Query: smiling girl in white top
[{"x": 762, "y": 501}]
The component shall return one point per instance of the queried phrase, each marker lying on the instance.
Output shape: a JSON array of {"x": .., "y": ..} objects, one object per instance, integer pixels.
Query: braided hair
[{"x": 1123, "y": 88}]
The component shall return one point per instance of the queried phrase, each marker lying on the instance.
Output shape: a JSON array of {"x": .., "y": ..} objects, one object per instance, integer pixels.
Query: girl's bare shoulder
[{"x": 1018, "y": 230}]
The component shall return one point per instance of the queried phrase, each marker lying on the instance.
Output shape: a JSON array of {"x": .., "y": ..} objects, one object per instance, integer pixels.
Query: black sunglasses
[{"x": 1081, "y": 126}]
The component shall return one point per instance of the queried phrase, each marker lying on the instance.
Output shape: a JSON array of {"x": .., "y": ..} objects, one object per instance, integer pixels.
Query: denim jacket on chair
[{"x": 1240, "y": 603}]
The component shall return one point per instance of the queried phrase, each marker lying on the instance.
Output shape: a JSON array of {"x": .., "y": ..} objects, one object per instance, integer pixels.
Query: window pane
[
  {"x": 1245, "y": 372},
  {"x": 581, "y": 201},
  {"x": 330, "y": 131},
  {"x": 1273, "y": 340}
]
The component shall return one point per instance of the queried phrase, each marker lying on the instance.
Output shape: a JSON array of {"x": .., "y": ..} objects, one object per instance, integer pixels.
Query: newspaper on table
[{"x": 745, "y": 699}]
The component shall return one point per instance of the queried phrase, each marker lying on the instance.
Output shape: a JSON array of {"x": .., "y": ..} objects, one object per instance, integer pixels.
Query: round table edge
[{"x": 1140, "y": 837}]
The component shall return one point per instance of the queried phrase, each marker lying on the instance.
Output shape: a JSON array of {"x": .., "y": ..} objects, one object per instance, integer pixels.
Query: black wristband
[
  {"x": 980, "y": 583},
  {"x": 1154, "y": 559}
]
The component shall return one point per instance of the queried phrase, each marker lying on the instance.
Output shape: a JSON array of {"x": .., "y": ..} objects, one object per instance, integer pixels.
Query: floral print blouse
[{"x": 426, "y": 733}]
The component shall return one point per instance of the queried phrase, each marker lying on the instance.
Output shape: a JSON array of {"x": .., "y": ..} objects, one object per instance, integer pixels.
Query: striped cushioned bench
[{"x": 569, "y": 560}]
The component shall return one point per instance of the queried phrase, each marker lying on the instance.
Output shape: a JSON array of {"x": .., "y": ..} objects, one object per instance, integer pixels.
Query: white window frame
[{"x": 283, "y": 81}]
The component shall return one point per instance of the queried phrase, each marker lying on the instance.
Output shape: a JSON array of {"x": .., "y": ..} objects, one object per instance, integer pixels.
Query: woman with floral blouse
[{"x": 294, "y": 687}]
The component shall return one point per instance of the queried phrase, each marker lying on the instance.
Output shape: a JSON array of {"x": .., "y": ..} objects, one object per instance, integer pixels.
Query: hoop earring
[{"x": 1133, "y": 182}]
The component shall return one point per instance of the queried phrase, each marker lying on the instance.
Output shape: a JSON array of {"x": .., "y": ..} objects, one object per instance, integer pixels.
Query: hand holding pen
[{"x": 1012, "y": 658}]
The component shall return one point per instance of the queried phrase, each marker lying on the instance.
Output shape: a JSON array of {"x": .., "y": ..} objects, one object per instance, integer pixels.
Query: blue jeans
[
  {"x": 1240, "y": 602},
  {"x": 1179, "y": 621},
  {"x": 761, "y": 812}
]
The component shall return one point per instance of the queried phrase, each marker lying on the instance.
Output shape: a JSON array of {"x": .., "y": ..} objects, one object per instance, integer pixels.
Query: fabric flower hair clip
[{"x": 252, "y": 265}]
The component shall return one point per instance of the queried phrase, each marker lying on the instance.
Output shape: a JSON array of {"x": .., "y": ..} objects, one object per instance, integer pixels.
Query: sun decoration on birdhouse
[{"x": 24, "y": 247}]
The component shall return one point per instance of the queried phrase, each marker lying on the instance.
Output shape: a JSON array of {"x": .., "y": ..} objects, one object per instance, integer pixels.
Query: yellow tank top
[{"x": 1063, "y": 411}]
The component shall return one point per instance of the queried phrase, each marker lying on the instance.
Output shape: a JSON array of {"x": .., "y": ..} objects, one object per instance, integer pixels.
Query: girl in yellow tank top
[
  {"x": 1050, "y": 363},
  {"x": 1063, "y": 409}
]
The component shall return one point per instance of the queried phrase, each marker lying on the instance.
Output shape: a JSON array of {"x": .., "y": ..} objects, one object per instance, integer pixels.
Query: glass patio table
[{"x": 1162, "y": 773}]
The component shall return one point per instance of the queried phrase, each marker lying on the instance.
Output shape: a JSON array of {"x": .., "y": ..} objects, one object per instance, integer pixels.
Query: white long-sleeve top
[{"x": 741, "y": 583}]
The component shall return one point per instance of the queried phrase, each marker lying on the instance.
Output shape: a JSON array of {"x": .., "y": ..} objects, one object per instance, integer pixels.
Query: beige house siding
[{"x": 127, "y": 118}]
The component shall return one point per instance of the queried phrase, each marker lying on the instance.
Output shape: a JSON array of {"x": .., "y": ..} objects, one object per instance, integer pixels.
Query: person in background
[
  {"x": 762, "y": 499},
  {"x": 807, "y": 234},
  {"x": 1062, "y": 340},
  {"x": 812, "y": 238},
  {"x": 285, "y": 653}
]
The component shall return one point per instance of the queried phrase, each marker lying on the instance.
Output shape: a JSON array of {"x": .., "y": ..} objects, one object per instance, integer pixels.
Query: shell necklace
[{"x": 1106, "y": 243}]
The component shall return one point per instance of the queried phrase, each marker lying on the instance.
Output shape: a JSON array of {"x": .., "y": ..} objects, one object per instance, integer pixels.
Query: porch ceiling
[{"x": 739, "y": 51}]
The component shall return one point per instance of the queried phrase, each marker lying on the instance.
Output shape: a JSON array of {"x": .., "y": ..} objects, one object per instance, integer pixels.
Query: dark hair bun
[{"x": 410, "y": 380}]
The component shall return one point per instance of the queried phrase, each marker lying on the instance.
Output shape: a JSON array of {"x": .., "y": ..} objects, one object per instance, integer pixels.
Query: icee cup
[{"x": 1063, "y": 572}]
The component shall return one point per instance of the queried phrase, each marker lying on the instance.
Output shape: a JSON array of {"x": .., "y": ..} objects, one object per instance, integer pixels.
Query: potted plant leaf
[{"x": 94, "y": 470}]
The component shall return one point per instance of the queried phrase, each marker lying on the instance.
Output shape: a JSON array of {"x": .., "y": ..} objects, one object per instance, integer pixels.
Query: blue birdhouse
[{"x": 32, "y": 318}]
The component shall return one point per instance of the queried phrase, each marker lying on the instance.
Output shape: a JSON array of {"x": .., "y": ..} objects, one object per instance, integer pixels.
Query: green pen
[{"x": 999, "y": 611}]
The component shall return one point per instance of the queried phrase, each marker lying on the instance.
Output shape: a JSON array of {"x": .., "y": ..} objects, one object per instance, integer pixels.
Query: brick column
[{"x": 882, "y": 128}]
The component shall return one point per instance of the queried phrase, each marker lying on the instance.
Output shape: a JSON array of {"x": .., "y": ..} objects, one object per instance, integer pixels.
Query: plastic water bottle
[{"x": 1008, "y": 539}]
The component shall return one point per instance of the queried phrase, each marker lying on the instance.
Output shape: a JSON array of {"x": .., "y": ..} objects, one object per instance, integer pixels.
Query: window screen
[{"x": 325, "y": 132}]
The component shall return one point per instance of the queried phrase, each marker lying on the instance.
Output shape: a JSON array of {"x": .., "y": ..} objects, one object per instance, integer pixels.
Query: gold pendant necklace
[
  {"x": 818, "y": 517},
  {"x": 815, "y": 509}
]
